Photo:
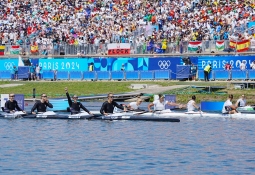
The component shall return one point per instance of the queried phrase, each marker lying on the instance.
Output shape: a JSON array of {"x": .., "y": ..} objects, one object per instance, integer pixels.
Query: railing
[
  {"x": 133, "y": 75},
  {"x": 101, "y": 49}
]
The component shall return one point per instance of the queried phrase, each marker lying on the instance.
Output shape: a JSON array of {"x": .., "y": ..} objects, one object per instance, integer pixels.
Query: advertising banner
[
  {"x": 7, "y": 64},
  {"x": 119, "y": 49},
  {"x": 18, "y": 97},
  {"x": 218, "y": 62},
  {"x": 4, "y": 98}
]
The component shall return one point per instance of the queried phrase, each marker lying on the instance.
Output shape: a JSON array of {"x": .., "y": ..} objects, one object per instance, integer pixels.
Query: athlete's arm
[{"x": 85, "y": 109}]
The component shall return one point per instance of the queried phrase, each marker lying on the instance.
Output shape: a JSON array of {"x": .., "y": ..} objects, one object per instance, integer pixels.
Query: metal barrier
[
  {"x": 5, "y": 75},
  {"x": 201, "y": 75},
  {"x": 63, "y": 75},
  {"x": 103, "y": 75},
  {"x": 48, "y": 75},
  {"x": 251, "y": 74},
  {"x": 89, "y": 75},
  {"x": 146, "y": 75},
  {"x": 92, "y": 49},
  {"x": 221, "y": 74},
  {"x": 75, "y": 75},
  {"x": 117, "y": 75},
  {"x": 132, "y": 75},
  {"x": 162, "y": 74},
  {"x": 238, "y": 75}
]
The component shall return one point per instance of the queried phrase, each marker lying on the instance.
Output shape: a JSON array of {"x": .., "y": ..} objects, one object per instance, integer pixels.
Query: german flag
[{"x": 2, "y": 50}]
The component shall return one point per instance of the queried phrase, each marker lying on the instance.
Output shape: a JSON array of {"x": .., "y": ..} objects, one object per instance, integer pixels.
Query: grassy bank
[{"x": 56, "y": 89}]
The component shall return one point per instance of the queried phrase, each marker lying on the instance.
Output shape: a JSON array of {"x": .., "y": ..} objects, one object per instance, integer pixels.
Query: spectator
[
  {"x": 14, "y": 72},
  {"x": 253, "y": 65},
  {"x": 123, "y": 67},
  {"x": 243, "y": 66},
  {"x": 31, "y": 72},
  {"x": 228, "y": 66}
]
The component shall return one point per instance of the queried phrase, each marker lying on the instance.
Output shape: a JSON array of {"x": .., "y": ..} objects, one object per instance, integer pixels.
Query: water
[{"x": 193, "y": 146}]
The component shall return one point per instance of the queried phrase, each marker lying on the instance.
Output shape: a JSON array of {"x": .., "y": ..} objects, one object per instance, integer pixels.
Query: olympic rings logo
[
  {"x": 164, "y": 64},
  {"x": 8, "y": 65}
]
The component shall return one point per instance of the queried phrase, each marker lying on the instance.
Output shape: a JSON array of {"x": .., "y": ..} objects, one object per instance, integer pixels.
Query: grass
[{"x": 82, "y": 88}]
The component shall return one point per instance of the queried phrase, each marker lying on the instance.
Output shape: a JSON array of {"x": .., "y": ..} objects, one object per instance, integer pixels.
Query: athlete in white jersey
[
  {"x": 191, "y": 105},
  {"x": 228, "y": 107},
  {"x": 241, "y": 102},
  {"x": 161, "y": 103},
  {"x": 135, "y": 105}
]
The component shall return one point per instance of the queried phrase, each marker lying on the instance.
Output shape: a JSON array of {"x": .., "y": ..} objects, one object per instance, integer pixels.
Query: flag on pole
[
  {"x": 2, "y": 48},
  {"x": 15, "y": 50},
  {"x": 220, "y": 45},
  {"x": 193, "y": 45}
]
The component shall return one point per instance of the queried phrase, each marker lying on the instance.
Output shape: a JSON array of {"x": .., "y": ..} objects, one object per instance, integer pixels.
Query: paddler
[
  {"x": 75, "y": 105},
  {"x": 109, "y": 105},
  {"x": 41, "y": 105},
  {"x": 12, "y": 105},
  {"x": 228, "y": 107},
  {"x": 135, "y": 105},
  {"x": 160, "y": 104},
  {"x": 191, "y": 105},
  {"x": 241, "y": 102}
]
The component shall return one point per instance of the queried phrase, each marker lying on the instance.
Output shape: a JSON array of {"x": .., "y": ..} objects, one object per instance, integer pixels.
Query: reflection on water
[{"x": 193, "y": 146}]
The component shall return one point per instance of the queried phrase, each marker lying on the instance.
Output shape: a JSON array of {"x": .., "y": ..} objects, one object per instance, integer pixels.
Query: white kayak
[{"x": 170, "y": 114}]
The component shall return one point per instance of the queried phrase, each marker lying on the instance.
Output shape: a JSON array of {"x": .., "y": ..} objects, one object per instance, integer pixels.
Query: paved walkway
[
  {"x": 156, "y": 89},
  {"x": 10, "y": 85}
]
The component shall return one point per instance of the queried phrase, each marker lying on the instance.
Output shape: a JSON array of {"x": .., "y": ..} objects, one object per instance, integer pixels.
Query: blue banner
[
  {"x": 170, "y": 98},
  {"x": 7, "y": 64},
  {"x": 112, "y": 64},
  {"x": 211, "y": 106},
  {"x": 20, "y": 99},
  {"x": 218, "y": 62}
]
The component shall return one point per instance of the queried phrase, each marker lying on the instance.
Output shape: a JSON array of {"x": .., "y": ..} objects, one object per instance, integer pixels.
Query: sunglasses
[
  {"x": 12, "y": 96},
  {"x": 44, "y": 96},
  {"x": 111, "y": 96},
  {"x": 75, "y": 97}
]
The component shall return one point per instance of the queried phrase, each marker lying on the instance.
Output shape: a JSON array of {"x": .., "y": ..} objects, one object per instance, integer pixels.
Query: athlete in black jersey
[
  {"x": 11, "y": 105},
  {"x": 75, "y": 106},
  {"x": 108, "y": 106},
  {"x": 41, "y": 105}
]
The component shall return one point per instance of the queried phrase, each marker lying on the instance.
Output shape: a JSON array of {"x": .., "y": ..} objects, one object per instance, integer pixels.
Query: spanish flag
[
  {"x": 34, "y": 48},
  {"x": 2, "y": 50},
  {"x": 240, "y": 46}
]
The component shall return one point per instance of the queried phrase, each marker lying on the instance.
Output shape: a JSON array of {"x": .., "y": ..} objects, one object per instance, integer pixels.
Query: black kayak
[{"x": 90, "y": 117}]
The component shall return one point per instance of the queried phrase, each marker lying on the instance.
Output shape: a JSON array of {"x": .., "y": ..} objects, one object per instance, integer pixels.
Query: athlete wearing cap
[{"x": 75, "y": 105}]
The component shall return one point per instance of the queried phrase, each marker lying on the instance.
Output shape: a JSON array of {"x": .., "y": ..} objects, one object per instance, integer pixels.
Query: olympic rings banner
[{"x": 7, "y": 64}]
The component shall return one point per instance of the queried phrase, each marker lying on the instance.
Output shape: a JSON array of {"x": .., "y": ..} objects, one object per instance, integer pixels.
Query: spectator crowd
[{"x": 99, "y": 22}]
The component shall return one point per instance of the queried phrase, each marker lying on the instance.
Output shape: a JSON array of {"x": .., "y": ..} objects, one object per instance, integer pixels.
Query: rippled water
[{"x": 193, "y": 146}]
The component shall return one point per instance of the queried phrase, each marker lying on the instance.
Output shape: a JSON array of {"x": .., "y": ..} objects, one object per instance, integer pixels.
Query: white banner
[
  {"x": 4, "y": 98},
  {"x": 252, "y": 43},
  {"x": 118, "y": 46}
]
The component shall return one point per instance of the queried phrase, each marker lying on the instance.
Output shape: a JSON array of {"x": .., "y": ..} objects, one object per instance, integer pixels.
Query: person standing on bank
[
  {"x": 12, "y": 105},
  {"x": 193, "y": 71},
  {"x": 109, "y": 105},
  {"x": 207, "y": 70},
  {"x": 15, "y": 72},
  {"x": 75, "y": 106},
  {"x": 32, "y": 72},
  {"x": 41, "y": 105}
]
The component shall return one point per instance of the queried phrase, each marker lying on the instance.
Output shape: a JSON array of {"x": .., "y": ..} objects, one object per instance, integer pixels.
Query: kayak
[
  {"x": 46, "y": 115},
  {"x": 168, "y": 114},
  {"x": 246, "y": 109},
  {"x": 84, "y": 115}
]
